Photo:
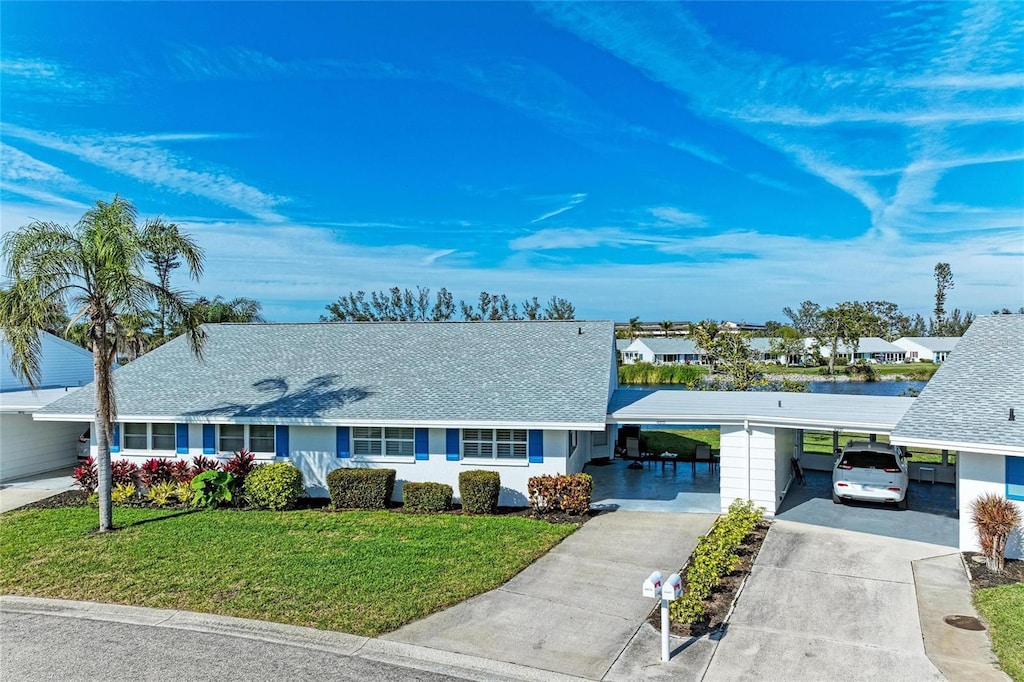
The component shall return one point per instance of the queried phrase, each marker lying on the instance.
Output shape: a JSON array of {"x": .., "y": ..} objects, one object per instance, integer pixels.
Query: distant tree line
[{"x": 404, "y": 305}]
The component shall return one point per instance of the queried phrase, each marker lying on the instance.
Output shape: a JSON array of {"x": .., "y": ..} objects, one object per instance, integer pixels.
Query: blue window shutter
[
  {"x": 451, "y": 445},
  {"x": 344, "y": 451},
  {"x": 115, "y": 440},
  {"x": 535, "y": 446},
  {"x": 181, "y": 438},
  {"x": 421, "y": 446},
  {"x": 209, "y": 439},
  {"x": 1014, "y": 478},
  {"x": 281, "y": 438}
]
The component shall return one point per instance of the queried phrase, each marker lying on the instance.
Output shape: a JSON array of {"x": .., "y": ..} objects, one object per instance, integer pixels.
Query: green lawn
[
  {"x": 357, "y": 572},
  {"x": 1003, "y": 610}
]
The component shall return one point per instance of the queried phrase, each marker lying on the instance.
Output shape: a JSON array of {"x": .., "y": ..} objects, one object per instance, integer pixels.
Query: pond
[{"x": 888, "y": 388}]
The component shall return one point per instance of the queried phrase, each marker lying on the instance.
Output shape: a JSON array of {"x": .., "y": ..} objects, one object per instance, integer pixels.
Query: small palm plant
[{"x": 995, "y": 518}]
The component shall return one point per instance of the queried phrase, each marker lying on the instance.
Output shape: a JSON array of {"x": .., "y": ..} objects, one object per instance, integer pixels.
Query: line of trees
[{"x": 405, "y": 305}]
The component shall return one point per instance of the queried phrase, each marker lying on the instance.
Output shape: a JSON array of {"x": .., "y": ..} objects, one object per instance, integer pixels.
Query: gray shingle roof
[
  {"x": 932, "y": 343},
  {"x": 670, "y": 346},
  {"x": 413, "y": 373},
  {"x": 969, "y": 398}
]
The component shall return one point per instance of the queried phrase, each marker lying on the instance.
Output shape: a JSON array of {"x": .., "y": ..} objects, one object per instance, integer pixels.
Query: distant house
[
  {"x": 927, "y": 348},
  {"x": 869, "y": 349},
  {"x": 28, "y": 448},
  {"x": 663, "y": 352},
  {"x": 973, "y": 405},
  {"x": 427, "y": 399}
]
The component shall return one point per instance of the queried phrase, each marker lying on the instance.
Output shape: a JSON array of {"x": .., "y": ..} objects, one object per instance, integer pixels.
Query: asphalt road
[{"x": 44, "y": 647}]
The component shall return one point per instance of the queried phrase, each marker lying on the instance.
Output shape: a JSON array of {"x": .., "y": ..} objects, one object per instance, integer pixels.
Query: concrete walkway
[
  {"x": 22, "y": 491},
  {"x": 575, "y": 609}
]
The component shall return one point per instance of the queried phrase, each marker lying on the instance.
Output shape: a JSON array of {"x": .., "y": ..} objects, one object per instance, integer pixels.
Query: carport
[{"x": 761, "y": 431}]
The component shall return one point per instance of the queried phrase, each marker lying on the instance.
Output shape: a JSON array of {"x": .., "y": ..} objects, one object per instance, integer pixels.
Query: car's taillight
[
  {"x": 895, "y": 490},
  {"x": 847, "y": 467},
  {"x": 892, "y": 470},
  {"x": 842, "y": 485}
]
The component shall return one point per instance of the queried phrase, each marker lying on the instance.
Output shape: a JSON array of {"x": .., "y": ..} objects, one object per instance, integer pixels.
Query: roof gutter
[{"x": 959, "y": 446}]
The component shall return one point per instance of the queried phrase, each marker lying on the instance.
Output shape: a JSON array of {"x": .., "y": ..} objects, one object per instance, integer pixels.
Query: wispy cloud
[
  {"x": 670, "y": 215},
  {"x": 574, "y": 201},
  {"x": 151, "y": 164},
  {"x": 51, "y": 81},
  {"x": 193, "y": 62},
  {"x": 23, "y": 174}
]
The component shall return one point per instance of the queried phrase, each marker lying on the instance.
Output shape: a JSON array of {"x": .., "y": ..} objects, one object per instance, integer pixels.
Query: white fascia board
[
  {"x": 47, "y": 417},
  {"x": 753, "y": 420},
  {"x": 434, "y": 423},
  {"x": 958, "y": 446}
]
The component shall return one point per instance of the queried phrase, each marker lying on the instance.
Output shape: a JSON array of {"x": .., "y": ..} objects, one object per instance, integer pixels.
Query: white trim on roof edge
[
  {"x": 981, "y": 448},
  {"x": 752, "y": 420},
  {"x": 421, "y": 423}
]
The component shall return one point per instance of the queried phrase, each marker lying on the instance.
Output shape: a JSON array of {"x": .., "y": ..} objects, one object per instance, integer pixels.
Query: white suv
[{"x": 871, "y": 472}]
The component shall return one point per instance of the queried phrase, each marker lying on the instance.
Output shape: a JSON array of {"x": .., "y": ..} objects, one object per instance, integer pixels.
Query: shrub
[
  {"x": 479, "y": 490},
  {"x": 212, "y": 488},
  {"x": 183, "y": 491},
  {"x": 201, "y": 464},
  {"x": 427, "y": 497},
  {"x": 994, "y": 517},
  {"x": 123, "y": 472},
  {"x": 240, "y": 466},
  {"x": 181, "y": 472},
  {"x": 274, "y": 486},
  {"x": 160, "y": 494},
  {"x": 86, "y": 477},
  {"x": 570, "y": 494},
  {"x": 361, "y": 488},
  {"x": 154, "y": 471},
  {"x": 123, "y": 493},
  {"x": 714, "y": 557}
]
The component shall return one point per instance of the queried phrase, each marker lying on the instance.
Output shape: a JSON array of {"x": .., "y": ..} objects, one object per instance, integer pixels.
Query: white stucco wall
[
  {"x": 313, "y": 450},
  {"x": 982, "y": 473},
  {"x": 28, "y": 447},
  {"x": 785, "y": 447},
  {"x": 748, "y": 466}
]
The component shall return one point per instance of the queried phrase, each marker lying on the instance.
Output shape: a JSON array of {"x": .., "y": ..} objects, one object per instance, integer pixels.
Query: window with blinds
[
  {"x": 494, "y": 443},
  {"x": 371, "y": 441}
]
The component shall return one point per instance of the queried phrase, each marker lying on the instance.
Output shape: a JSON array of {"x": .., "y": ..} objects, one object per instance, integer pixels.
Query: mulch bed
[
  {"x": 78, "y": 498},
  {"x": 720, "y": 602},
  {"x": 981, "y": 577}
]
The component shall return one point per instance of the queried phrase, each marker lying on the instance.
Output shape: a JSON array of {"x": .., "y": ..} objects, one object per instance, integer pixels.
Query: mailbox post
[{"x": 667, "y": 590}]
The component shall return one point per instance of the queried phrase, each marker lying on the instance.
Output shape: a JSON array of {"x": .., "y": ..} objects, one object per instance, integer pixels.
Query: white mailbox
[
  {"x": 672, "y": 588},
  {"x": 653, "y": 586}
]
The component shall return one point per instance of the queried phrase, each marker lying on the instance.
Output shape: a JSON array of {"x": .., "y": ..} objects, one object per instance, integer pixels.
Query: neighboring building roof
[
  {"x": 622, "y": 344},
  {"x": 967, "y": 403},
  {"x": 30, "y": 401},
  {"x": 670, "y": 346},
  {"x": 791, "y": 410},
  {"x": 544, "y": 373},
  {"x": 61, "y": 363},
  {"x": 936, "y": 344},
  {"x": 872, "y": 344}
]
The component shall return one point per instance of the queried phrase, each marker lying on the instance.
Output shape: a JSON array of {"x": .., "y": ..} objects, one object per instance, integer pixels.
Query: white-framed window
[
  {"x": 494, "y": 443},
  {"x": 389, "y": 441},
  {"x": 252, "y": 437},
  {"x": 599, "y": 438},
  {"x": 143, "y": 436},
  {"x": 574, "y": 441}
]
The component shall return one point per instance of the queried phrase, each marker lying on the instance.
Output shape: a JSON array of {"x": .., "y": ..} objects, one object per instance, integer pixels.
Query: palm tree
[
  {"x": 667, "y": 326},
  {"x": 165, "y": 245},
  {"x": 96, "y": 269},
  {"x": 634, "y": 328}
]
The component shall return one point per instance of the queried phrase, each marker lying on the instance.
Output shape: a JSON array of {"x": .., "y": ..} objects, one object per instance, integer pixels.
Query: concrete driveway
[
  {"x": 575, "y": 609},
  {"x": 22, "y": 491},
  {"x": 824, "y": 604}
]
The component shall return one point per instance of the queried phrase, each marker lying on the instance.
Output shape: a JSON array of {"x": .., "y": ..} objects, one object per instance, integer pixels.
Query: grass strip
[{"x": 1003, "y": 610}]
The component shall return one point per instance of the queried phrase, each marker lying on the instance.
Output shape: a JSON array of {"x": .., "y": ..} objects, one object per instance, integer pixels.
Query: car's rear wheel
[{"x": 836, "y": 499}]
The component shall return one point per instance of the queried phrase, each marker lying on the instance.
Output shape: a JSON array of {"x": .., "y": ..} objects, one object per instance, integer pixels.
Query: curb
[{"x": 383, "y": 651}]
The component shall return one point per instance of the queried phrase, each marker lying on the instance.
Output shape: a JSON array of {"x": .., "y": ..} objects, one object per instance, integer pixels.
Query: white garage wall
[
  {"x": 785, "y": 446},
  {"x": 29, "y": 447},
  {"x": 748, "y": 466},
  {"x": 982, "y": 473}
]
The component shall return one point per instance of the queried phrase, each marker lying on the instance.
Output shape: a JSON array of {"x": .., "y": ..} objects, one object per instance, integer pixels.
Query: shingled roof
[
  {"x": 967, "y": 403},
  {"x": 543, "y": 373}
]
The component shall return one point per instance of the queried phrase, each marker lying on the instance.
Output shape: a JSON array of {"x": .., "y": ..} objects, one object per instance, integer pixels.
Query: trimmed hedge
[
  {"x": 274, "y": 486},
  {"x": 714, "y": 557},
  {"x": 427, "y": 497},
  {"x": 570, "y": 493},
  {"x": 361, "y": 488},
  {"x": 479, "y": 490}
]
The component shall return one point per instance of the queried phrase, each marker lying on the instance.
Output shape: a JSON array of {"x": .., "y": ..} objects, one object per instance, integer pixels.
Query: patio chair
[
  {"x": 703, "y": 454},
  {"x": 633, "y": 453}
]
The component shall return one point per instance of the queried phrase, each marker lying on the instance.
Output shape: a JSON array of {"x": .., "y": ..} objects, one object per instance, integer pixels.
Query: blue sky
[{"x": 661, "y": 160}]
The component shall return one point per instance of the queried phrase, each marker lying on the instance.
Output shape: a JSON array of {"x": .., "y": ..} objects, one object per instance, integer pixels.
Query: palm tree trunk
[{"x": 101, "y": 368}]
